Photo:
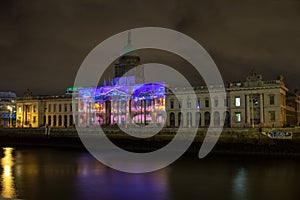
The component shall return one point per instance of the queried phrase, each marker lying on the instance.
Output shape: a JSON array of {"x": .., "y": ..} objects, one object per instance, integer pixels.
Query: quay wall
[{"x": 232, "y": 140}]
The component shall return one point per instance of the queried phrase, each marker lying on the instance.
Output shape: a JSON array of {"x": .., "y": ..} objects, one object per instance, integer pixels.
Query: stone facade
[
  {"x": 52, "y": 111},
  {"x": 293, "y": 109},
  {"x": 258, "y": 103},
  {"x": 191, "y": 111},
  {"x": 251, "y": 103}
]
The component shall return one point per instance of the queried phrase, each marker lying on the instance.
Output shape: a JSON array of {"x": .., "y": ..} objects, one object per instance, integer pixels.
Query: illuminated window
[
  {"x": 34, "y": 108},
  {"x": 237, "y": 101},
  {"x": 238, "y": 117}
]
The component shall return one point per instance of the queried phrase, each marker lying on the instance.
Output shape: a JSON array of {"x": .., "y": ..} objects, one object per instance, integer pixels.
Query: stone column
[
  {"x": 261, "y": 105},
  {"x": 68, "y": 120},
  {"x": 248, "y": 104},
  {"x": 154, "y": 112},
  {"x": 128, "y": 112}
]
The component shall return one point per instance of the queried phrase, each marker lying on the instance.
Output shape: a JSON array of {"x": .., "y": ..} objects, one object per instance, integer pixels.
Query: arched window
[
  {"x": 71, "y": 120},
  {"x": 180, "y": 118},
  {"x": 172, "y": 119},
  {"x": 198, "y": 119},
  {"x": 49, "y": 120},
  {"x": 54, "y": 120},
  {"x": 227, "y": 119},
  {"x": 216, "y": 118},
  {"x": 65, "y": 120},
  {"x": 44, "y": 120},
  {"x": 189, "y": 119},
  {"x": 207, "y": 118},
  {"x": 59, "y": 120}
]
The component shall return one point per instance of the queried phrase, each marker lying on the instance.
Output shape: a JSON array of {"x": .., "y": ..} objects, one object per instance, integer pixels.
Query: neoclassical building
[
  {"x": 258, "y": 103},
  {"x": 250, "y": 103},
  {"x": 127, "y": 99},
  {"x": 187, "y": 111},
  {"x": 39, "y": 111}
]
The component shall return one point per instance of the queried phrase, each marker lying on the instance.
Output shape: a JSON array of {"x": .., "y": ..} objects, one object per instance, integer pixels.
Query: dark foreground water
[{"x": 32, "y": 173}]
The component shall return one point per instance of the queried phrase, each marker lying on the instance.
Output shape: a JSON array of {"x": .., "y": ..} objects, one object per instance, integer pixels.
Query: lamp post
[{"x": 10, "y": 115}]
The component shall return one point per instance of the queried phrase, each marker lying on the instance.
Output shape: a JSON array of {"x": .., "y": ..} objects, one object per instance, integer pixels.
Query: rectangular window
[
  {"x": 237, "y": 101},
  {"x": 34, "y": 119},
  {"x": 188, "y": 104},
  {"x": 71, "y": 107},
  {"x": 179, "y": 104},
  {"x": 54, "y": 107},
  {"x": 171, "y": 104},
  {"x": 238, "y": 117},
  {"x": 59, "y": 108},
  {"x": 206, "y": 103},
  {"x": 198, "y": 104},
  {"x": 272, "y": 100},
  {"x": 34, "y": 108},
  {"x": 66, "y": 107},
  {"x": 216, "y": 102},
  {"x": 272, "y": 116},
  {"x": 49, "y": 107}
]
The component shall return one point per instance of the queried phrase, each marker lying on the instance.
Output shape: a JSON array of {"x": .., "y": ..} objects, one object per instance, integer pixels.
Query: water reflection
[
  {"x": 7, "y": 178},
  {"x": 31, "y": 174},
  {"x": 239, "y": 184}
]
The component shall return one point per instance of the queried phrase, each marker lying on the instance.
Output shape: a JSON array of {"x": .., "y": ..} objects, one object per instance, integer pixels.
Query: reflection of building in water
[
  {"x": 123, "y": 103},
  {"x": 7, "y": 178}
]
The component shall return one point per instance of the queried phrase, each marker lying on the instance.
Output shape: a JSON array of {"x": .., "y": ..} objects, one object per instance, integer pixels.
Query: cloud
[{"x": 42, "y": 43}]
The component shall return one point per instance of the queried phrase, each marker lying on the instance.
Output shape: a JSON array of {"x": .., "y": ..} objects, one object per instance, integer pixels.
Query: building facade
[
  {"x": 188, "y": 111},
  {"x": 250, "y": 103},
  {"x": 128, "y": 99},
  {"x": 40, "y": 111},
  {"x": 7, "y": 109},
  {"x": 258, "y": 103},
  {"x": 122, "y": 103},
  {"x": 293, "y": 109}
]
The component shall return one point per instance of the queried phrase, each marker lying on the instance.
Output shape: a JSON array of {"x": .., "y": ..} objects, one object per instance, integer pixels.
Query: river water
[{"x": 34, "y": 173}]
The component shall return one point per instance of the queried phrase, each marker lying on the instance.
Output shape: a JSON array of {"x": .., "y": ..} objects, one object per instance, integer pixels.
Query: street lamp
[{"x": 10, "y": 115}]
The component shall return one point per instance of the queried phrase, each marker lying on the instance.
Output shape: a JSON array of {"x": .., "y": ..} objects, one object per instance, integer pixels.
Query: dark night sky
[{"x": 43, "y": 42}]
